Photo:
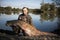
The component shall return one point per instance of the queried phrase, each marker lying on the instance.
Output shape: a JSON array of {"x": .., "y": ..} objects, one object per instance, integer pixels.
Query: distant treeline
[
  {"x": 4, "y": 9},
  {"x": 10, "y": 9},
  {"x": 46, "y": 8}
]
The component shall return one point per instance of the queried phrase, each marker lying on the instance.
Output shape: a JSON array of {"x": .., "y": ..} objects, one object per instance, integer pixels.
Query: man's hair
[{"x": 26, "y": 8}]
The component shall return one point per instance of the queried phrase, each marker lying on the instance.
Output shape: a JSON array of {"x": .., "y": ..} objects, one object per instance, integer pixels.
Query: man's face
[{"x": 25, "y": 11}]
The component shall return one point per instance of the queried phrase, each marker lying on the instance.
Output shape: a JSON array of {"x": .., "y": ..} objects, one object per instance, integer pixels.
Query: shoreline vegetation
[
  {"x": 10, "y": 9},
  {"x": 46, "y": 8}
]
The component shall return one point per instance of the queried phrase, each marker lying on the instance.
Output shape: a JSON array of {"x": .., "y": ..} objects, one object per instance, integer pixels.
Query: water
[{"x": 41, "y": 22}]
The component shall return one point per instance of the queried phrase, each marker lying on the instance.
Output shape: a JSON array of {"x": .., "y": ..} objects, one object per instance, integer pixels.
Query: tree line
[{"x": 9, "y": 9}]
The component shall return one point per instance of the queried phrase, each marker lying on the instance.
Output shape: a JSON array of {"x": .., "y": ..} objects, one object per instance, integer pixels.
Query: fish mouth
[
  {"x": 11, "y": 22},
  {"x": 7, "y": 24},
  {"x": 14, "y": 22}
]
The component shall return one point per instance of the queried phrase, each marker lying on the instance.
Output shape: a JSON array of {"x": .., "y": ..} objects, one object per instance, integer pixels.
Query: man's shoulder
[
  {"x": 21, "y": 15},
  {"x": 29, "y": 16}
]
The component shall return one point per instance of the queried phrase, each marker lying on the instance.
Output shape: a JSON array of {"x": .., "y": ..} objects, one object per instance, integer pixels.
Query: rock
[{"x": 42, "y": 37}]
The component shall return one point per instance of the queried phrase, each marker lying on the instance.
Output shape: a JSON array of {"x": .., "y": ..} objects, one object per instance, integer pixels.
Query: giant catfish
[{"x": 30, "y": 30}]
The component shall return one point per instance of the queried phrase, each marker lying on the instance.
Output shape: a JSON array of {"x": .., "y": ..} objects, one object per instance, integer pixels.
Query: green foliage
[
  {"x": 9, "y": 9},
  {"x": 1, "y": 8},
  {"x": 48, "y": 8},
  {"x": 57, "y": 2},
  {"x": 15, "y": 9}
]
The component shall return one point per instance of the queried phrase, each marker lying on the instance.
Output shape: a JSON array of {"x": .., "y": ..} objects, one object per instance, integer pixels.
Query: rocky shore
[
  {"x": 10, "y": 35},
  {"x": 5, "y": 36}
]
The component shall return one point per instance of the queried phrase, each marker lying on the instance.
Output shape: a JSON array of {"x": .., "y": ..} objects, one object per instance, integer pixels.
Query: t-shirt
[{"x": 25, "y": 18}]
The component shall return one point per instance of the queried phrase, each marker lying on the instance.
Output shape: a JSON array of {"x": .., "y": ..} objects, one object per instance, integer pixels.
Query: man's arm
[
  {"x": 30, "y": 20},
  {"x": 19, "y": 18}
]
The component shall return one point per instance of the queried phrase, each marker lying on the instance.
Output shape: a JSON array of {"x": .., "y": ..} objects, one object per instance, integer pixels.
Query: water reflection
[
  {"x": 42, "y": 21},
  {"x": 9, "y": 13},
  {"x": 57, "y": 31},
  {"x": 48, "y": 16}
]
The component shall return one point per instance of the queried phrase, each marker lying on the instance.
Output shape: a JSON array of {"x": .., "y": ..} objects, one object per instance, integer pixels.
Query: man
[{"x": 24, "y": 16}]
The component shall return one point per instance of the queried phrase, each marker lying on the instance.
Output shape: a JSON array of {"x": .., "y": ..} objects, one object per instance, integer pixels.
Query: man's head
[{"x": 25, "y": 10}]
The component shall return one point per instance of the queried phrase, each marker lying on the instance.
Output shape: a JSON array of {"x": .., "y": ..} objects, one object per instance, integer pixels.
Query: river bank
[{"x": 10, "y": 35}]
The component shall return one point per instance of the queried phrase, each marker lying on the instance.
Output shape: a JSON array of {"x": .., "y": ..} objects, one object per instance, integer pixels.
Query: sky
[{"x": 23, "y": 3}]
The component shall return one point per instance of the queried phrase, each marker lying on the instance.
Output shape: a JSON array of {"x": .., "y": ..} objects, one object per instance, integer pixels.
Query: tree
[
  {"x": 16, "y": 9},
  {"x": 56, "y": 2},
  {"x": 1, "y": 8},
  {"x": 8, "y": 8},
  {"x": 48, "y": 8},
  {"x": 45, "y": 7}
]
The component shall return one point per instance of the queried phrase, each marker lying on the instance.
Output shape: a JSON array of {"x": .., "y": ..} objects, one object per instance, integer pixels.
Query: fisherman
[{"x": 25, "y": 17}]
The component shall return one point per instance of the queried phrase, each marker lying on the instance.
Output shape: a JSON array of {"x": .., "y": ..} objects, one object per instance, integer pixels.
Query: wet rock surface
[
  {"x": 10, "y": 35},
  {"x": 15, "y": 37}
]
